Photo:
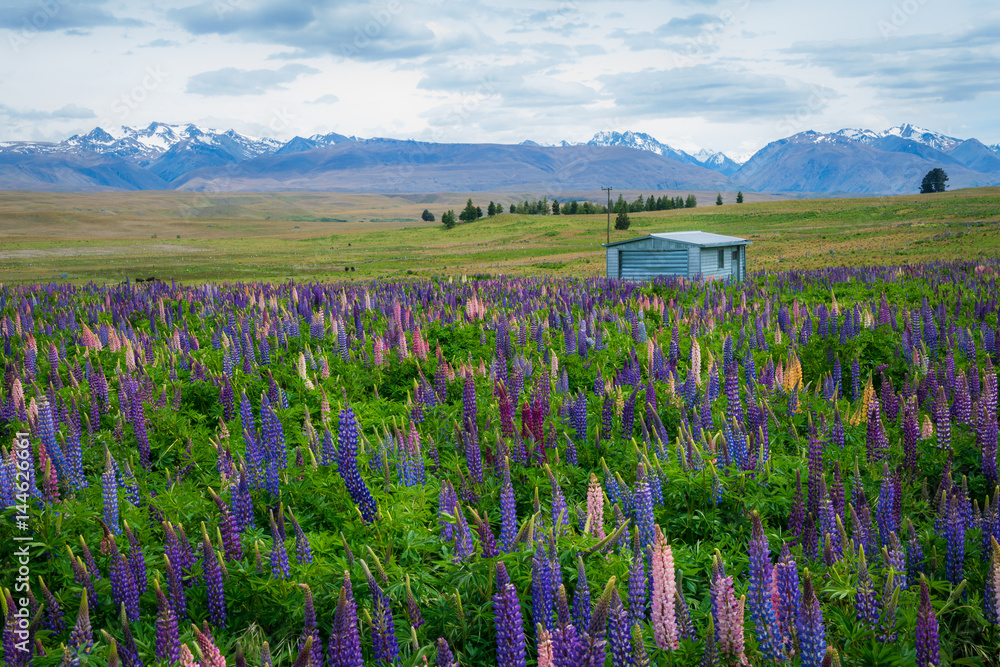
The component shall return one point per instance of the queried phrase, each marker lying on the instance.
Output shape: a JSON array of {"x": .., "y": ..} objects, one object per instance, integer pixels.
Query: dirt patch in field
[{"x": 96, "y": 251}]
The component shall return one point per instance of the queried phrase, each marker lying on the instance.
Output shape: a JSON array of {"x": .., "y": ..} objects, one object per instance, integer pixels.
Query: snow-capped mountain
[
  {"x": 163, "y": 156},
  {"x": 714, "y": 160},
  {"x": 144, "y": 145},
  {"x": 905, "y": 131}
]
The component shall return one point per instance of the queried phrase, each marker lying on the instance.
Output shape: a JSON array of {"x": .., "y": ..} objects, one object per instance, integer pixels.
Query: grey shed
[{"x": 688, "y": 254}]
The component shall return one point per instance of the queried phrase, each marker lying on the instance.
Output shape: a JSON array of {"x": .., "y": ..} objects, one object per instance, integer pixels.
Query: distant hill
[{"x": 189, "y": 157}]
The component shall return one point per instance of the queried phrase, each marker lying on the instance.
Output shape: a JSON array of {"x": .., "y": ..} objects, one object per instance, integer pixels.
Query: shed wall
[{"x": 710, "y": 263}]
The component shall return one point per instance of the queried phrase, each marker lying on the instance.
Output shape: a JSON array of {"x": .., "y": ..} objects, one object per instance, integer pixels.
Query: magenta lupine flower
[
  {"x": 509, "y": 622},
  {"x": 809, "y": 627},
  {"x": 168, "y": 643},
  {"x": 309, "y": 629},
  {"x": 212, "y": 572},
  {"x": 208, "y": 652},
  {"x": 279, "y": 556},
  {"x": 664, "y": 587},
  {"x": 927, "y": 638},
  {"x": 344, "y": 648},
  {"x": 729, "y": 629}
]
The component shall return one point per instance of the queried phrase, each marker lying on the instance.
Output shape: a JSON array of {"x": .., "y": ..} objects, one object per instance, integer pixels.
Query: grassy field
[{"x": 196, "y": 236}]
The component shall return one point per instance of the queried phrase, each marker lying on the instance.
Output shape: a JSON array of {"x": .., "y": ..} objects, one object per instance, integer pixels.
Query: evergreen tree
[
  {"x": 718, "y": 199},
  {"x": 622, "y": 221},
  {"x": 479, "y": 212},
  {"x": 934, "y": 181},
  {"x": 739, "y": 197},
  {"x": 448, "y": 219},
  {"x": 691, "y": 201},
  {"x": 468, "y": 213},
  {"x": 427, "y": 216},
  {"x": 573, "y": 207},
  {"x": 512, "y": 208},
  {"x": 555, "y": 207},
  {"x": 491, "y": 210}
]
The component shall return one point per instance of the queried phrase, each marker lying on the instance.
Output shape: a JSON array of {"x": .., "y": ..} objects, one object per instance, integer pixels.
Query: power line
[{"x": 609, "y": 189}]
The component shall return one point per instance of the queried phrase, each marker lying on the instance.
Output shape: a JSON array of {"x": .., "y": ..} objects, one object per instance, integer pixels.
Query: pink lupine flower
[{"x": 664, "y": 589}]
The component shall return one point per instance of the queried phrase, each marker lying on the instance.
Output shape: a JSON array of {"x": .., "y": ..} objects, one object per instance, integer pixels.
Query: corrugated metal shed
[{"x": 694, "y": 254}]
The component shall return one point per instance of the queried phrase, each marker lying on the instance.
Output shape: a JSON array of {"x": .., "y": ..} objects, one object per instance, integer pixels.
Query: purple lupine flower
[
  {"x": 279, "y": 556},
  {"x": 412, "y": 608},
  {"x": 761, "y": 606},
  {"x": 212, "y": 571},
  {"x": 955, "y": 528},
  {"x": 509, "y": 622},
  {"x": 445, "y": 658},
  {"x": 175, "y": 586},
  {"x": 581, "y": 597},
  {"x": 643, "y": 503},
  {"x": 383, "y": 627},
  {"x": 866, "y": 608},
  {"x": 123, "y": 588},
  {"x": 81, "y": 575},
  {"x": 348, "y": 466},
  {"x": 542, "y": 586},
  {"x": 81, "y": 638},
  {"x": 927, "y": 638},
  {"x": 508, "y": 511},
  {"x": 619, "y": 635},
  {"x": 464, "y": 547},
  {"x": 560, "y": 515},
  {"x": 309, "y": 629},
  {"x": 889, "y": 602},
  {"x": 682, "y": 612},
  {"x": 447, "y": 502},
  {"x": 53, "y": 616},
  {"x": 487, "y": 542},
  {"x": 129, "y": 651},
  {"x": 942, "y": 419},
  {"x": 638, "y": 589},
  {"x": 136, "y": 561},
  {"x": 809, "y": 626},
  {"x": 109, "y": 486},
  {"x": 302, "y": 550},
  {"x": 568, "y": 648},
  {"x": 227, "y": 528},
  {"x": 344, "y": 648},
  {"x": 168, "y": 643},
  {"x": 241, "y": 503}
]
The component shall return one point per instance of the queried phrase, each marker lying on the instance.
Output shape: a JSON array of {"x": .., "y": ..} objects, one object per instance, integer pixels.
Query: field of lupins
[{"x": 798, "y": 470}]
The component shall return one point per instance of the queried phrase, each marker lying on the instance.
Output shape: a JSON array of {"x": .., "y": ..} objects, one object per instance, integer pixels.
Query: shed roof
[{"x": 698, "y": 238}]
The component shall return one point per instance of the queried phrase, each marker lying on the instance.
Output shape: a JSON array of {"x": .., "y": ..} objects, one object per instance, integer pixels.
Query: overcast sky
[{"x": 730, "y": 75}]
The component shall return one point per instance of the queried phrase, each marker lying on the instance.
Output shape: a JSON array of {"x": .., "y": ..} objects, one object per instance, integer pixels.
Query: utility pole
[{"x": 609, "y": 189}]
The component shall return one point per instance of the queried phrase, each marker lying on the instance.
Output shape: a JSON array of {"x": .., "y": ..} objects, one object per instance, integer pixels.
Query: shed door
[
  {"x": 646, "y": 264},
  {"x": 736, "y": 264}
]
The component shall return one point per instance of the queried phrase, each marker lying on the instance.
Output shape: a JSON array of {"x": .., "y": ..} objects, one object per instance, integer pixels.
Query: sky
[{"x": 728, "y": 75}]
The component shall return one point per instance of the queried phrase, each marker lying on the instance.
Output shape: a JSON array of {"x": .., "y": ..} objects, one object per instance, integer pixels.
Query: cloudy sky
[{"x": 725, "y": 74}]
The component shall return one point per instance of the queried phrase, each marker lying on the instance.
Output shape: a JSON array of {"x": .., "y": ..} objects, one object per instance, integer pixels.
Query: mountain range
[{"x": 188, "y": 157}]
